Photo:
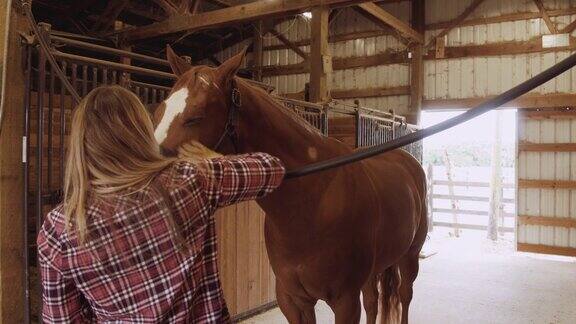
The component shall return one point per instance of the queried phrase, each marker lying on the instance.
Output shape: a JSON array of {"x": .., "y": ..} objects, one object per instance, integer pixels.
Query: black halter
[{"x": 231, "y": 128}]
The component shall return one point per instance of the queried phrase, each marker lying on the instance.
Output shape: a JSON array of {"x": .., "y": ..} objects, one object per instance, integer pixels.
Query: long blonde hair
[{"x": 112, "y": 149}]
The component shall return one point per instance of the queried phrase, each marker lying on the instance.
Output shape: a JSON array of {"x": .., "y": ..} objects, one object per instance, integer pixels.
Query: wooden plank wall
[
  {"x": 11, "y": 179},
  {"x": 247, "y": 279},
  {"x": 343, "y": 129},
  {"x": 546, "y": 192}
]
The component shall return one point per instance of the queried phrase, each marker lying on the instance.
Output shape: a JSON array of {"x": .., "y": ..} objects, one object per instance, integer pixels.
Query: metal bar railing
[{"x": 109, "y": 50}]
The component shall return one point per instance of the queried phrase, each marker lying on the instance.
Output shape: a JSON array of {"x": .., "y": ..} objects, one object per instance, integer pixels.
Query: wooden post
[
  {"x": 257, "y": 57},
  {"x": 430, "y": 181},
  {"x": 320, "y": 59},
  {"x": 495, "y": 204},
  {"x": 125, "y": 77},
  {"x": 417, "y": 63},
  {"x": 453, "y": 201},
  {"x": 12, "y": 268}
]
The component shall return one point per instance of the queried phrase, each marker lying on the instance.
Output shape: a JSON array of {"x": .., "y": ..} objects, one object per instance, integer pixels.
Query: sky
[{"x": 478, "y": 130}]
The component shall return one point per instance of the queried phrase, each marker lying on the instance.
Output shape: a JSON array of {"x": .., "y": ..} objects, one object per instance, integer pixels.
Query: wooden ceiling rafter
[
  {"x": 109, "y": 15},
  {"x": 290, "y": 44},
  {"x": 168, "y": 7},
  {"x": 403, "y": 28},
  {"x": 456, "y": 22},
  {"x": 229, "y": 16},
  {"x": 547, "y": 20},
  {"x": 569, "y": 28}
]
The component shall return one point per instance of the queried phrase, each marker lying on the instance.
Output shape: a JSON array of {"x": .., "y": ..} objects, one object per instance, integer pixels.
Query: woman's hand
[{"x": 195, "y": 150}]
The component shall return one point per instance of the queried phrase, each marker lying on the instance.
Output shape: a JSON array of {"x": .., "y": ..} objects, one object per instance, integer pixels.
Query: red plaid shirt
[{"x": 130, "y": 270}]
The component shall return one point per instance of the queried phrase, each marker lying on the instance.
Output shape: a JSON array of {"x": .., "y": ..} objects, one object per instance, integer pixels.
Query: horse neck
[{"x": 267, "y": 126}]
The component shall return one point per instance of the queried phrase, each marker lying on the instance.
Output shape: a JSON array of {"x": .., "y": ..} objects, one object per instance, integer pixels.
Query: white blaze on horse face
[{"x": 175, "y": 105}]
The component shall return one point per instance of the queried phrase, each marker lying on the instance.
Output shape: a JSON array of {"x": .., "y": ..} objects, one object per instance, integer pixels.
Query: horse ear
[
  {"x": 179, "y": 65},
  {"x": 228, "y": 69}
]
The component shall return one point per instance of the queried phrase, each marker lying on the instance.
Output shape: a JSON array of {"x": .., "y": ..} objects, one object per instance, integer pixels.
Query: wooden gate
[{"x": 546, "y": 193}]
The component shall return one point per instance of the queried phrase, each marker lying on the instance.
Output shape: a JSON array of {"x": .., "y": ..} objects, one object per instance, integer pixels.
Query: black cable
[{"x": 488, "y": 105}]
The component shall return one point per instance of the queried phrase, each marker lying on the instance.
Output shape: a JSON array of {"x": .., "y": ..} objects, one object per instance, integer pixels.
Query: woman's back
[{"x": 144, "y": 254}]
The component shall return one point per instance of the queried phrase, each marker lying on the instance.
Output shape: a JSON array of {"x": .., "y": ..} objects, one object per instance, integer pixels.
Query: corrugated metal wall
[
  {"x": 543, "y": 199},
  {"x": 484, "y": 76},
  {"x": 444, "y": 78}
]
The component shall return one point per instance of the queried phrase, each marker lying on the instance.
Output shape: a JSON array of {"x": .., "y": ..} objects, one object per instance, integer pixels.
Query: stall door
[{"x": 546, "y": 177}]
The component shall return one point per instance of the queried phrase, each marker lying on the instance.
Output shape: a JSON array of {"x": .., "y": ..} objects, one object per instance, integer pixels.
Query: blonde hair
[{"x": 112, "y": 149}]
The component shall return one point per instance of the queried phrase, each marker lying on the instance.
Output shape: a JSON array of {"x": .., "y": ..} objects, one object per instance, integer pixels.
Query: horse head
[{"x": 198, "y": 105}]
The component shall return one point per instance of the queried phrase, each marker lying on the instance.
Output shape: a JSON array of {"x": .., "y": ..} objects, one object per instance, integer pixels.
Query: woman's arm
[
  {"x": 243, "y": 177},
  {"x": 231, "y": 179},
  {"x": 62, "y": 301}
]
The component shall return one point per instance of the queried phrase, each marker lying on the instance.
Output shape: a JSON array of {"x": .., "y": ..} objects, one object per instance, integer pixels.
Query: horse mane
[{"x": 288, "y": 112}]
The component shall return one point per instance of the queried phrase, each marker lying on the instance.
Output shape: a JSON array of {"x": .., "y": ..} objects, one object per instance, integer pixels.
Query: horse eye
[{"x": 192, "y": 121}]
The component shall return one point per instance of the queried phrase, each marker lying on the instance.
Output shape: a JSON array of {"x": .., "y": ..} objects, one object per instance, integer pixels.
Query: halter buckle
[{"x": 236, "y": 98}]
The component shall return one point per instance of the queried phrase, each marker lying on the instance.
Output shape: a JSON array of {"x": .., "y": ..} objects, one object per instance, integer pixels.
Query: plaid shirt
[{"x": 131, "y": 268}]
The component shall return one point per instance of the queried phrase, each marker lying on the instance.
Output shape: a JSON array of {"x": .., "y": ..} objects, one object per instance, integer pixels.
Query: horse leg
[
  {"x": 409, "y": 266},
  {"x": 370, "y": 299},
  {"x": 409, "y": 271},
  {"x": 296, "y": 310},
  {"x": 347, "y": 308}
]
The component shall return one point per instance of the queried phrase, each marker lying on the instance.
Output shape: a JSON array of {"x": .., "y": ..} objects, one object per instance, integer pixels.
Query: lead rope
[{"x": 486, "y": 106}]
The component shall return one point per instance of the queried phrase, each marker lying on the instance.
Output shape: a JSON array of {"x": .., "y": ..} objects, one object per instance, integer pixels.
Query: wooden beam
[
  {"x": 342, "y": 63},
  {"x": 221, "y": 3},
  {"x": 456, "y": 22},
  {"x": 548, "y": 114},
  {"x": 401, "y": 57},
  {"x": 229, "y": 16},
  {"x": 569, "y": 28},
  {"x": 546, "y": 249},
  {"x": 500, "y": 48},
  {"x": 257, "y": 57},
  {"x": 358, "y": 93},
  {"x": 530, "y": 100},
  {"x": 404, "y": 29},
  {"x": 196, "y": 6},
  {"x": 109, "y": 15},
  {"x": 320, "y": 59},
  {"x": 167, "y": 6},
  {"x": 546, "y": 147},
  {"x": 288, "y": 43},
  {"x": 417, "y": 64},
  {"x": 567, "y": 222},
  {"x": 12, "y": 218},
  {"x": 503, "y": 18},
  {"x": 371, "y": 92},
  {"x": 335, "y": 38},
  {"x": 547, "y": 184},
  {"x": 551, "y": 26}
]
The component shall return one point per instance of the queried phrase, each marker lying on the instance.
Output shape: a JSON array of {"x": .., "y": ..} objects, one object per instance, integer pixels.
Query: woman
[{"x": 134, "y": 240}]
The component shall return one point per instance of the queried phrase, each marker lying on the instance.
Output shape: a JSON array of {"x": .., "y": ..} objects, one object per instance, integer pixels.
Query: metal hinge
[{"x": 24, "y": 149}]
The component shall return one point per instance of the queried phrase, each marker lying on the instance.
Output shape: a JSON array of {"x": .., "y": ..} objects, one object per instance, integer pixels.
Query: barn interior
[{"x": 363, "y": 72}]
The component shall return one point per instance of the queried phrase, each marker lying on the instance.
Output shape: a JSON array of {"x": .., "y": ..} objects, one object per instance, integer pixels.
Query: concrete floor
[{"x": 471, "y": 280}]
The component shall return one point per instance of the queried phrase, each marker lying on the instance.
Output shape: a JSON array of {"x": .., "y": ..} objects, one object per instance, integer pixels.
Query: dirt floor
[{"x": 473, "y": 280}]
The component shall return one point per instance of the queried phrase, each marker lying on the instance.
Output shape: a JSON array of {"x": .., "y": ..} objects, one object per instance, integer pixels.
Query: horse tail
[{"x": 389, "y": 295}]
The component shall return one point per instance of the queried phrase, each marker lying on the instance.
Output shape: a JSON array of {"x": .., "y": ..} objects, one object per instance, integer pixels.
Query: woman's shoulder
[{"x": 57, "y": 217}]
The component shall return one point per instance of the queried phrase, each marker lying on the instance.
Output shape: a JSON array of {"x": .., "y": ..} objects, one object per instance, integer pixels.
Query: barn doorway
[{"x": 471, "y": 174}]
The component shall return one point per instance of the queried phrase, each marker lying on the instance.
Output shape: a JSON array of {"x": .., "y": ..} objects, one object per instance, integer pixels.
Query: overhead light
[{"x": 307, "y": 15}]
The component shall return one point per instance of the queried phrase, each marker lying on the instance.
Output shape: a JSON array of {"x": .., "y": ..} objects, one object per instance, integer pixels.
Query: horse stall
[{"x": 361, "y": 72}]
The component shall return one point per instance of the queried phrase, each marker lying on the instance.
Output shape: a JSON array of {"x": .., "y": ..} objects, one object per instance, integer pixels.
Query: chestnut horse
[{"x": 330, "y": 235}]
